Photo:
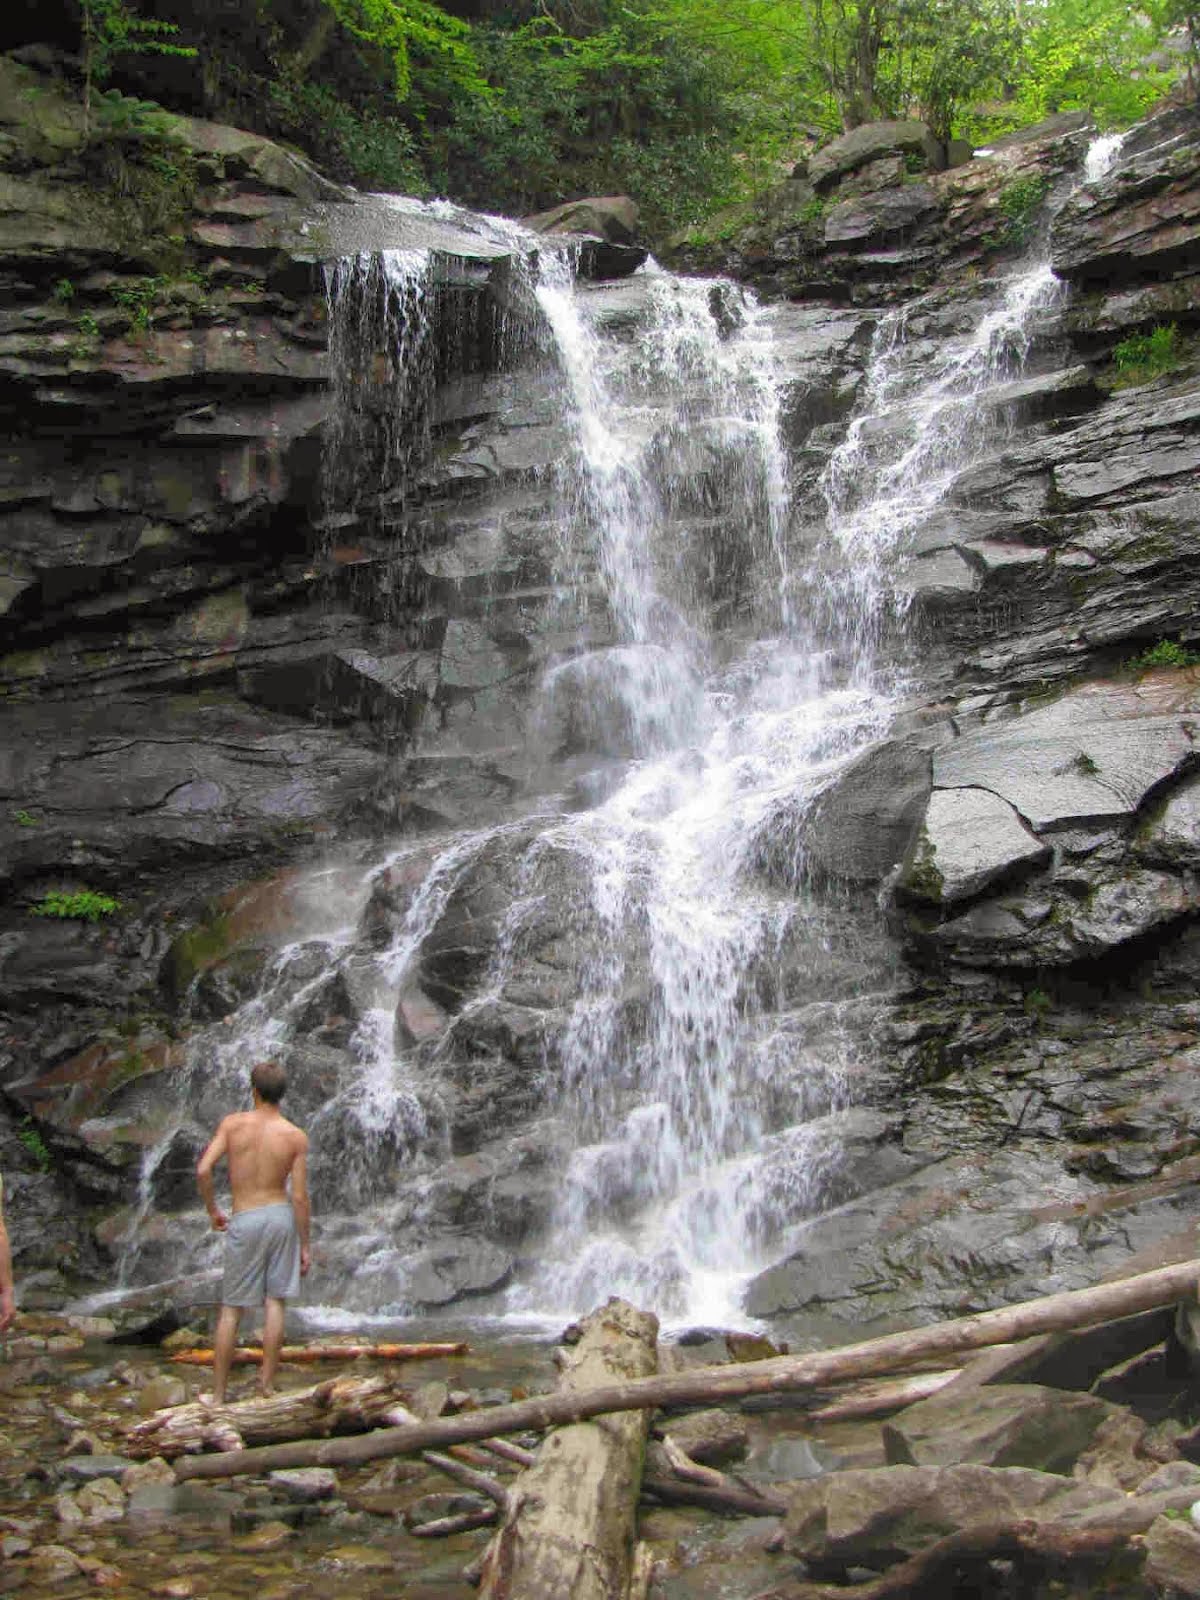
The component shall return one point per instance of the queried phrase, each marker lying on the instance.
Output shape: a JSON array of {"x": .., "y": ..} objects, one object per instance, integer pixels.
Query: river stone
[
  {"x": 267, "y": 1536},
  {"x": 970, "y": 839},
  {"x": 1173, "y": 1558},
  {"x": 54, "y": 1563},
  {"x": 85, "y": 1469},
  {"x": 1095, "y": 753},
  {"x": 303, "y": 1485},
  {"x": 101, "y": 1501},
  {"x": 874, "y": 1516},
  {"x": 710, "y": 1437},
  {"x": 362, "y": 1557},
  {"x": 1010, "y": 1425},
  {"x": 162, "y": 1392}
]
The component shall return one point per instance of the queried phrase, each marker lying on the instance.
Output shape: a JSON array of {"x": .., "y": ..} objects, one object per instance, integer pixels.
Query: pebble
[
  {"x": 54, "y": 1563},
  {"x": 361, "y": 1558},
  {"x": 269, "y": 1536}
]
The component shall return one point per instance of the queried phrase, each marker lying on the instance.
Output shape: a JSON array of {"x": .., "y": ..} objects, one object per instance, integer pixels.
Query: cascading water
[{"x": 718, "y": 1017}]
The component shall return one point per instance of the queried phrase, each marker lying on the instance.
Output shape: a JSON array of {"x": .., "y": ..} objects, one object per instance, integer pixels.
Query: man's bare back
[{"x": 261, "y": 1149}]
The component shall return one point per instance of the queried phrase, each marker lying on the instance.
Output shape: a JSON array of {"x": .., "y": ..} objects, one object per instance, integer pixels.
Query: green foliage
[
  {"x": 35, "y": 1144},
  {"x": 138, "y": 298},
  {"x": 366, "y": 147},
  {"x": 1018, "y": 202},
  {"x": 403, "y": 29},
  {"x": 1166, "y": 653},
  {"x": 23, "y": 819},
  {"x": 1144, "y": 356},
  {"x": 81, "y": 905},
  {"x": 1037, "y": 1002},
  {"x": 1085, "y": 764},
  {"x": 89, "y": 328},
  {"x": 109, "y": 29},
  {"x": 63, "y": 292}
]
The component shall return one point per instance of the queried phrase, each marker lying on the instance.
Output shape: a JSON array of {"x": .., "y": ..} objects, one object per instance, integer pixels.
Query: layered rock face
[
  {"x": 280, "y": 586},
  {"x": 1048, "y": 895}
]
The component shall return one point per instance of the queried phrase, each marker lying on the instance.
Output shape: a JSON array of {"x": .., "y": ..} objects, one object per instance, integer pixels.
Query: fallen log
[
  {"x": 251, "y": 1355},
  {"x": 1077, "y": 1308},
  {"x": 337, "y": 1405},
  {"x": 570, "y": 1525}
]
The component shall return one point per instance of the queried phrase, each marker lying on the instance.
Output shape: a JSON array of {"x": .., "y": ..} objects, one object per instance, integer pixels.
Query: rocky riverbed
[{"x": 81, "y": 1512}]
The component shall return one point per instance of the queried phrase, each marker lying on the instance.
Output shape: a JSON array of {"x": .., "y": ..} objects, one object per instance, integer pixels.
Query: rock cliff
[{"x": 230, "y": 647}]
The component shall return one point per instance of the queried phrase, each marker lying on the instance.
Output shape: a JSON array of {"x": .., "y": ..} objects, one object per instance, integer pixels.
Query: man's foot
[{"x": 207, "y": 1399}]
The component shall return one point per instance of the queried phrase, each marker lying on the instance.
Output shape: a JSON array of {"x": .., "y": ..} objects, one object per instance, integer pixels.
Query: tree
[{"x": 110, "y": 28}]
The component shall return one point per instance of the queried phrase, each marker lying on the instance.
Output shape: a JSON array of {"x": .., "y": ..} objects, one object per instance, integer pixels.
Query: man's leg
[
  {"x": 272, "y": 1337},
  {"x": 223, "y": 1343}
]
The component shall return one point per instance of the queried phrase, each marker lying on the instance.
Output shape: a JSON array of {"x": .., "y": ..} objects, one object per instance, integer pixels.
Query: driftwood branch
[
  {"x": 461, "y": 1522},
  {"x": 480, "y": 1482},
  {"x": 337, "y": 1405},
  {"x": 708, "y": 1385},
  {"x": 251, "y": 1355}
]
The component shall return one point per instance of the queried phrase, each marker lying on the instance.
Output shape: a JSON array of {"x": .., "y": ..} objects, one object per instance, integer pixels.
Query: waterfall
[{"x": 718, "y": 1019}]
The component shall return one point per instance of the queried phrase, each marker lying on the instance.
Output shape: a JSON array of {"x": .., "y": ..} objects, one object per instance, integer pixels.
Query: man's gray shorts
[{"x": 262, "y": 1256}]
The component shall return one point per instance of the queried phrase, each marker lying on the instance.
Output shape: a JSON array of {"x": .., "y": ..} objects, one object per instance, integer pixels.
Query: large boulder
[
  {"x": 1002, "y": 1425},
  {"x": 877, "y": 1516},
  {"x": 868, "y": 143}
]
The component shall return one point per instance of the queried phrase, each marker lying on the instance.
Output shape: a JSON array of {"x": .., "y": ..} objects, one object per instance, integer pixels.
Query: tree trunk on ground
[
  {"x": 1078, "y": 1308},
  {"x": 570, "y": 1524},
  {"x": 338, "y": 1405}
]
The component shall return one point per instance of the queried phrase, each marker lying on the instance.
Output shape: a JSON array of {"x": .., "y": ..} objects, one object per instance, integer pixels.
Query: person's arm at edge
[
  {"x": 204, "y": 1176},
  {"x": 8, "y": 1304},
  {"x": 300, "y": 1202}
]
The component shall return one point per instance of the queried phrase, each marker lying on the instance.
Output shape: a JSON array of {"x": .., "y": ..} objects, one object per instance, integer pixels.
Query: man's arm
[
  {"x": 8, "y": 1305},
  {"x": 217, "y": 1148},
  {"x": 300, "y": 1202}
]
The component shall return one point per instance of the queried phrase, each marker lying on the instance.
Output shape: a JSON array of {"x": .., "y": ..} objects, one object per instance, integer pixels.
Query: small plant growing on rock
[
  {"x": 1166, "y": 653},
  {"x": 23, "y": 819},
  {"x": 1084, "y": 764},
  {"x": 63, "y": 292},
  {"x": 34, "y": 1144},
  {"x": 80, "y": 905},
  {"x": 1145, "y": 356}
]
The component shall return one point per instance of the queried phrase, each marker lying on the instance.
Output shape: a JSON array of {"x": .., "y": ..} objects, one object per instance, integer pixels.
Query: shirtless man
[{"x": 266, "y": 1246}]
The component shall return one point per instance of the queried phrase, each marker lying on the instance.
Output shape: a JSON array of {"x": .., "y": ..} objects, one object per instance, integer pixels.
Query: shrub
[
  {"x": 1166, "y": 653},
  {"x": 1018, "y": 203},
  {"x": 80, "y": 905},
  {"x": 1144, "y": 356}
]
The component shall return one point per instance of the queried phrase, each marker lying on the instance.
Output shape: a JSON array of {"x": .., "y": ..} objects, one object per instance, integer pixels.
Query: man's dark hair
[{"x": 270, "y": 1080}]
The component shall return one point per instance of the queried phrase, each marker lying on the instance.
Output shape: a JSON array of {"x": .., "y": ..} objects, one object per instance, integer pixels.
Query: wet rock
[
  {"x": 1010, "y": 1425},
  {"x": 304, "y": 1485},
  {"x": 162, "y": 1392},
  {"x": 710, "y": 1437},
  {"x": 53, "y": 1563},
  {"x": 89, "y": 1468},
  {"x": 102, "y": 1500},
  {"x": 969, "y": 841},
  {"x": 353, "y": 1558},
  {"x": 858, "y": 828},
  {"x": 1173, "y": 1557},
  {"x": 446, "y": 1272},
  {"x": 141, "y": 1473},
  {"x": 873, "y": 1517},
  {"x": 267, "y": 1536}
]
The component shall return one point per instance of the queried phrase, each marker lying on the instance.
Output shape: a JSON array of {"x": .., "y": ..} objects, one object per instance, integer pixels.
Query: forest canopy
[{"x": 688, "y": 105}]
